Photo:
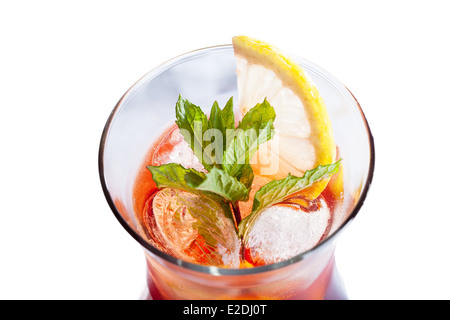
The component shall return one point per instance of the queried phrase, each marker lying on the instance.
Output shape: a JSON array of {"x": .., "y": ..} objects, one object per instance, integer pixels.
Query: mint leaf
[
  {"x": 255, "y": 128},
  {"x": 228, "y": 115},
  {"x": 258, "y": 116},
  {"x": 277, "y": 191},
  {"x": 246, "y": 177},
  {"x": 220, "y": 126},
  {"x": 192, "y": 122},
  {"x": 220, "y": 183},
  {"x": 222, "y": 119},
  {"x": 174, "y": 175},
  {"x": 215, "y": 134}
]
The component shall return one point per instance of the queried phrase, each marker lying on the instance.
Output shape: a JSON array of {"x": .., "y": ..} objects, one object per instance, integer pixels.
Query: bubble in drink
[
  {"x": 192, "y": 228},
  {"x": 285, "y": 230}
]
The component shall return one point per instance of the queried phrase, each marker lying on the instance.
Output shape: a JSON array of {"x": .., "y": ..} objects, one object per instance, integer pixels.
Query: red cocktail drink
[{"x": 209, "y": 261}]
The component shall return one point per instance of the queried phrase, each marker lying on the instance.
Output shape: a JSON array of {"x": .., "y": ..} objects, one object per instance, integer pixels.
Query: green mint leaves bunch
[{"x": 225, "y": 151}]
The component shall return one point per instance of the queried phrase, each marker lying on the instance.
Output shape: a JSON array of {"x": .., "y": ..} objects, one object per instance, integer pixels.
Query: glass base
[{"x": 335, "y": 290}]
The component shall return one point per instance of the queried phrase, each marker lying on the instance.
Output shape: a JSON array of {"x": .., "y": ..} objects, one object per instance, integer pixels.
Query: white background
[{"x": 65, "y": 64}]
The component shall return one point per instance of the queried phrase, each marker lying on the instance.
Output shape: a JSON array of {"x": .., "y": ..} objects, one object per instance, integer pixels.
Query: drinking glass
[{"x": 203, "y": 76}]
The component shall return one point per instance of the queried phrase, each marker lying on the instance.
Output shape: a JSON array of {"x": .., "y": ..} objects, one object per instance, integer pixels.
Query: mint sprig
[
  {"x": 216, "y": 184},
  {"x": 225, "y": 151}
]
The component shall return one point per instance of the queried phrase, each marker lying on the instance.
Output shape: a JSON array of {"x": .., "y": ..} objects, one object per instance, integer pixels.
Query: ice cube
[
  {"x": 192, "y": 228},
  {"x": 176, "y": 150},
  {"x": 283, "y": 231}
]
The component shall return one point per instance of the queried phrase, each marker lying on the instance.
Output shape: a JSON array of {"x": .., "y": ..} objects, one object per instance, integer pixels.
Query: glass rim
[{"x": 213, "y": 270}]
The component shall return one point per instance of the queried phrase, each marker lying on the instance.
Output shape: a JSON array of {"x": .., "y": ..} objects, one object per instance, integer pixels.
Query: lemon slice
[{"x": 303, "y": 136}]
